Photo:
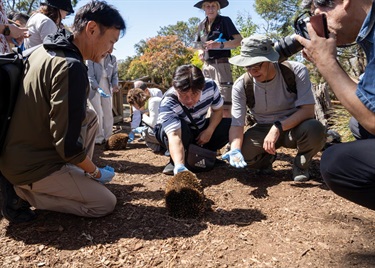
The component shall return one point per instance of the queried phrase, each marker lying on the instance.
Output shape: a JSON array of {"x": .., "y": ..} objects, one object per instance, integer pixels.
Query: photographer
[
  {"x": 348, "y": 168},
  {"x": 283, "y": 118}
]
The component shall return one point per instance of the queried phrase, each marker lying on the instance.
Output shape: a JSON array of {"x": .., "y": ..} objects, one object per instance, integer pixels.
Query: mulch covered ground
[{"x": 249, "y": 221}]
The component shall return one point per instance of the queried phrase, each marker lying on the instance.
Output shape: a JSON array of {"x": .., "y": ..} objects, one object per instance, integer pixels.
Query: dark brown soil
[{"x": 250, "y": 221}]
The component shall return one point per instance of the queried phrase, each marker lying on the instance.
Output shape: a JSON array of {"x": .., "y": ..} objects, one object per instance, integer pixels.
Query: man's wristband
[
  {"x": 221, "y": 45},
  {"x": 278, "y": 125},
  {"x": 93, "y": 174},
  {"x": 6, "y": 31}
]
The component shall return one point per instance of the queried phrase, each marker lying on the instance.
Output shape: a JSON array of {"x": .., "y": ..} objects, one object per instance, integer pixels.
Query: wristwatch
[
  {"x": 278, "y": 125},
  {"x": 6, "y": 31},
  {"x": 221, "y": 45}
]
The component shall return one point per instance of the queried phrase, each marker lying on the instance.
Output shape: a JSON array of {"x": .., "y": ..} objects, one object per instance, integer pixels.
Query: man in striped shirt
[{"x": 174, "y": 129}]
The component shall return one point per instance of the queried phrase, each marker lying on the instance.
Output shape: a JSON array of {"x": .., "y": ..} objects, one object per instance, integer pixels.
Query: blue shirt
[
  {"x": 171, "y": 112},
  {"x": 366, "y": 39}
]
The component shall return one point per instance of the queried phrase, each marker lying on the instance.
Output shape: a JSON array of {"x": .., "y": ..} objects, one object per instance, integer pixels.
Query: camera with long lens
[{"x": 289, "y": 46}]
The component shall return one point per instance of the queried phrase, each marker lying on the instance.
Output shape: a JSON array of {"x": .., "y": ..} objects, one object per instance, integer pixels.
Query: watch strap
[{"x": 278, "y": 125}]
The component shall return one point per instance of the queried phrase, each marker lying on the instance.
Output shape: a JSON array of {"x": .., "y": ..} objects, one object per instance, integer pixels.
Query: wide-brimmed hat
[
  {"x": 254, "y": 49},
  {"x": 223, "y": 3},
  {"x": 60, "y": 4}
]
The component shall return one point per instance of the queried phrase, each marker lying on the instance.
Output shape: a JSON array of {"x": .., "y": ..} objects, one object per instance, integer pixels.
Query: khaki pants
[
  {"x": 68, "y": 190},
  {"x": 308, "y": 138},
  {"x": 221, "y": 73}
]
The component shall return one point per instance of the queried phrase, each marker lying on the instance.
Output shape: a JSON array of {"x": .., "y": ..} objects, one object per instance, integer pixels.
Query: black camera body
[{"x": 289, "y": 45}]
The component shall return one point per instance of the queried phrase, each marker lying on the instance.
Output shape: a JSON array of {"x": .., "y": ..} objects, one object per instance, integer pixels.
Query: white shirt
[{"x": 39, "y": 26}]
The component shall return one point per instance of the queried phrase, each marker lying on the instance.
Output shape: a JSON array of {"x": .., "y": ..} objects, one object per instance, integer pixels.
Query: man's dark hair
[
  {"x": 188, "y": 77},
  {"x": 18, "y": 16},
  {"x": 102, "y": 13}
]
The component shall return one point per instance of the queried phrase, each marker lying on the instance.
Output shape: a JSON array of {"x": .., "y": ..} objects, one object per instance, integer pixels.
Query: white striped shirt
[{"x": 171, "y": 112}]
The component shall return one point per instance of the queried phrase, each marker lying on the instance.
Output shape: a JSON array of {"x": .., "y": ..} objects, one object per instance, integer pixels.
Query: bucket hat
[
  {"x": 254, "y": 49},
  {"x": 223, "y": 3},
  {"x": 60, "y": 4}
]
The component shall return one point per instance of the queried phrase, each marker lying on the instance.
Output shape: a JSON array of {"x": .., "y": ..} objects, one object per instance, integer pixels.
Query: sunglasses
[{"x": 255, "y": 67}]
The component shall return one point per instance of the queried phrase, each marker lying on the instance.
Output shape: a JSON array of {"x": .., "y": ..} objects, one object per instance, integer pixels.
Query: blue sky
[{"x": 144, "y": 18}]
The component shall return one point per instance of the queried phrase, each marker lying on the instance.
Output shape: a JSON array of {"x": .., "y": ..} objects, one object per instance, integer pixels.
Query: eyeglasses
[
  {"x": 315, "y": 4},
  {"x": 255, "y": 67},
  {"x": 323, "y": 3}
]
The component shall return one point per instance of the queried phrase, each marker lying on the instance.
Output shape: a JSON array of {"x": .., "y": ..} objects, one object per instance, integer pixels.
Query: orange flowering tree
[{"x": 161, "y": 56}]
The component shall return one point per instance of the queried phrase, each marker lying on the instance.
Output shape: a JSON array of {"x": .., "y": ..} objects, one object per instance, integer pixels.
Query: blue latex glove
[
  {"x": 139, "y": 130},
  {"x": 235, "y": 158},
  {"x": 179, "y": 168},
  {"x": 109, "y": 168},
  {"x": 107, "y": 174},
  {"x": 219, "y": 39},
  {"x": 102, "y": 93},
  {"x": 131, "y": 136}
]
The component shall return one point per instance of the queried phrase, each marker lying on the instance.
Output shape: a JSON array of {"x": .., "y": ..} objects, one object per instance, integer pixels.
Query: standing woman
[
  {"x": 47, "y": 20},
  {"x": 218, "y": 36}
]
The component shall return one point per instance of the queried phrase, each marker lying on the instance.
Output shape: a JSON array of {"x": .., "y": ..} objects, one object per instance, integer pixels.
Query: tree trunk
[{"x": 322, "y": 103}]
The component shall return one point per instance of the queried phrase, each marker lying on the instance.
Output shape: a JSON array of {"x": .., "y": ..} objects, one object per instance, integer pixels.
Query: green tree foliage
[
  {"x": 25, "y": 6},
  {"x": 123, "y": 66},
  {"x": 246, "y": 27},
  {"x": 279, "y": 14},
  {"x": 140, "y": 47},
  {"x": 196, "y": 60},
  {"x": 186, "y": 31},
  {"x": 162, "y": 55}
]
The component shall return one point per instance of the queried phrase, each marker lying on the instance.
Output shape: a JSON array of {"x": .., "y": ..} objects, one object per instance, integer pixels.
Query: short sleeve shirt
[
  {"x": 171, "y": 113},
  {"x": 273, "y": 101},
  {"x": 366, "y": 39},
  {"x": 222, "y": 25}
]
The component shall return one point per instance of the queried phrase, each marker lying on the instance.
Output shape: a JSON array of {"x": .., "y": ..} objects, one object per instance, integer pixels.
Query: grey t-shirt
[{"x": 272, "y": 99}]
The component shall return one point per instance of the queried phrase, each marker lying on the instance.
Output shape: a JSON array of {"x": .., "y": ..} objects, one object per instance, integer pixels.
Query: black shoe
[
  {"x": 268, "y": 170},
  {"x": 168, "y": 170},
  {"x": 14, "y": 209},
  {"x": 265, "y": 171}
]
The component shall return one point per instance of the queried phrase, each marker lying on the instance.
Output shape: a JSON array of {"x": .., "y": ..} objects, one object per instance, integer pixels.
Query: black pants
[
  {"x": 349, "y": 171},
  {"x": 219, "y": 138}
]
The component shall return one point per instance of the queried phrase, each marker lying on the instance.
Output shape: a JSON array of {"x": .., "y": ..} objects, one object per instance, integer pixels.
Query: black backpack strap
[
  {"x": 289, "y": 76},
  {"x": 249, "y": 90},
  {"x": 11, "y": 70}
]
